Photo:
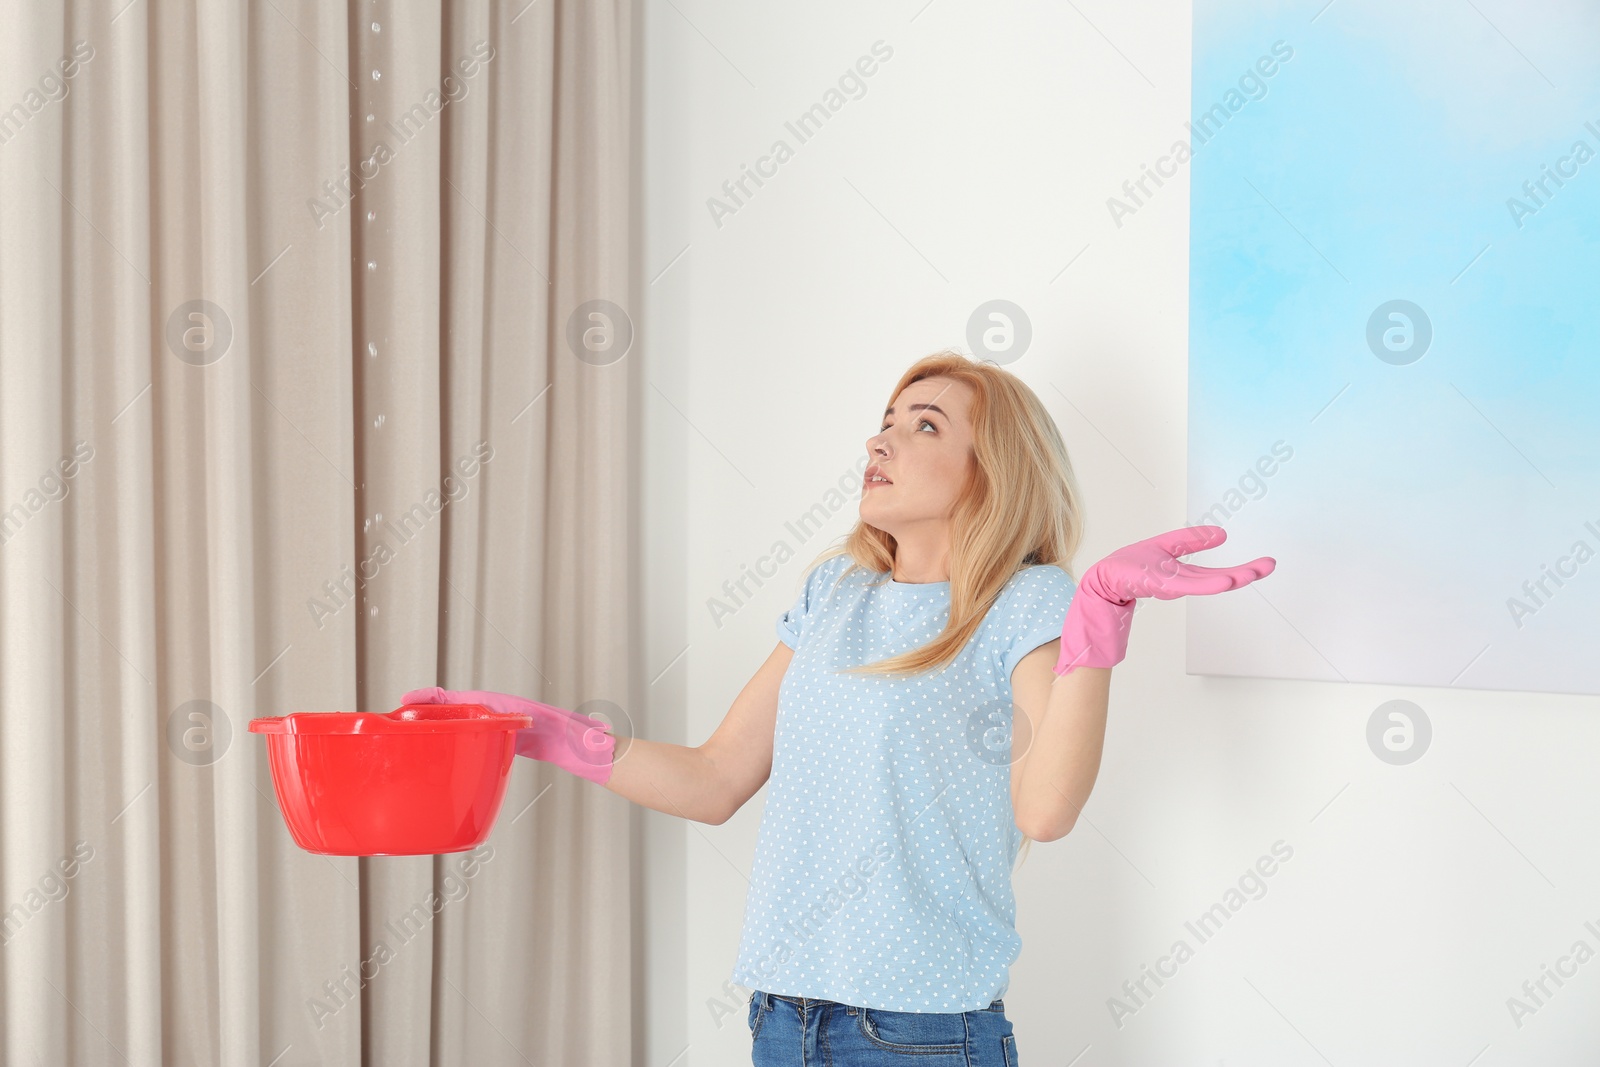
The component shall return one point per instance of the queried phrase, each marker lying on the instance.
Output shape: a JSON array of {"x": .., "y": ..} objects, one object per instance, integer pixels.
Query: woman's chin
[{"x": 875, "y": 519}]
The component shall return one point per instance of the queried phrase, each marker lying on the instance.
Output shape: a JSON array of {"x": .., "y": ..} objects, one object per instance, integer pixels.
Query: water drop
[
  {"x": 366, "y": 524},
  {"x": 372, "y": 216},
  {"x": 380, "y": 517},
  {"x": 376, "y": 74},
  {"x": 376, "y": 28},
  {"x": 373, "y": 610},
  {"x": 372, "y": 349},
  {"x": 372, "y": 264},
  {"x": 377, "y": 423},
  {"x": 371, "y": 117}
]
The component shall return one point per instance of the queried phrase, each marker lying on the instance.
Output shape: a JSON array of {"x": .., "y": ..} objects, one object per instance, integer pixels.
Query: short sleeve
[
  {"x": 1032, "y": 609},
  {"x": 794, "y": 623}
]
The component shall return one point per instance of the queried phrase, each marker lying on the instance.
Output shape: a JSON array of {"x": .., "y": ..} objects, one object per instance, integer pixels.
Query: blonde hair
[{"x": 1019, "y": 506}]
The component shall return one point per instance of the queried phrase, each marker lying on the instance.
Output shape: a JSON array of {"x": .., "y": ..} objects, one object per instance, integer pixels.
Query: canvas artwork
[{"x": 1394, "y": 342}]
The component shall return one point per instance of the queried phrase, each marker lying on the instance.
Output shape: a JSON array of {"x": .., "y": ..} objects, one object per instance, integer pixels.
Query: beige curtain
[{"x": 291, "y": 421}]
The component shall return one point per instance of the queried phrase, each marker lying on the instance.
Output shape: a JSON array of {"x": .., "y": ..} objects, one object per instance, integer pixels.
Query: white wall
[{"x": 1417, "y": 899}]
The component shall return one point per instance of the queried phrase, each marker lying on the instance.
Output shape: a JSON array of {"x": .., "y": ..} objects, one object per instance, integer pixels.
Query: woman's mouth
[{"x": 873, "y": 477}]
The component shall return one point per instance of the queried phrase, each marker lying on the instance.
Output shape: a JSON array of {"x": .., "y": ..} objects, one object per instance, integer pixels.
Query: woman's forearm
[
  {"x": 669, "y": 778},
  {"x": 1064, "y": 758}
]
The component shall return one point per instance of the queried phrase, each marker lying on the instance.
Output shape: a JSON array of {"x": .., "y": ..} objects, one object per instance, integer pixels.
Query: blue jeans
[{"x": 804, "y": 1032}]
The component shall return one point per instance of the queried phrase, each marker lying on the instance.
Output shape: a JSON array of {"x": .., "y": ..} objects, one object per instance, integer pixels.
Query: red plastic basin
[{"x": 420, "y": 780}]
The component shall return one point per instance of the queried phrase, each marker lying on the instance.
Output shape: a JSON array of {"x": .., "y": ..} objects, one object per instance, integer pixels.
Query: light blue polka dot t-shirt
[{"x": 882, "y": 871}]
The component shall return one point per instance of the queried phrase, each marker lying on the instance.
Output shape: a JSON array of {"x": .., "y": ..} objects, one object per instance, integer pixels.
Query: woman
[{"x": 880, "y": 916}]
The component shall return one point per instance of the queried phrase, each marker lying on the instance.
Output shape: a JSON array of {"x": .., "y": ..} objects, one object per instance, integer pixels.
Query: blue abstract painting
[{"x": 1394, "y": 340}]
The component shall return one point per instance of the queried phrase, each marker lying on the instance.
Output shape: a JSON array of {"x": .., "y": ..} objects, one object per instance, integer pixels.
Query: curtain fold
[{"x": 314, "y": 389}]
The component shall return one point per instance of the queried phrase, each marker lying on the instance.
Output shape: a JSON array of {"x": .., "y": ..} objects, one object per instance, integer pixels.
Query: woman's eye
[
  {"x": 920, "y": 423},
  {"x": 927, "y": 422}
]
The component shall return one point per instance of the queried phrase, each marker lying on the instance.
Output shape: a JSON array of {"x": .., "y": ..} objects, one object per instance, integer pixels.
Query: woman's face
[{"x": 925, "y": 450}]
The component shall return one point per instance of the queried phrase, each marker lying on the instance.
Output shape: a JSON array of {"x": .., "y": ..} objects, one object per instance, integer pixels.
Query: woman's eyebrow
[{"x": 914, "y": 407}]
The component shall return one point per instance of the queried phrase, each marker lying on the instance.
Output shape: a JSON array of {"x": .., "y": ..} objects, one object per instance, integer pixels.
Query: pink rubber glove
[
  {"x": 1095, "y": 633},
  {"x": 575, "y": 743}
]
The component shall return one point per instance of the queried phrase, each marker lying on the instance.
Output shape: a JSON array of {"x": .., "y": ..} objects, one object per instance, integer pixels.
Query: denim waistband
[{"x": 810, "y": 1003}]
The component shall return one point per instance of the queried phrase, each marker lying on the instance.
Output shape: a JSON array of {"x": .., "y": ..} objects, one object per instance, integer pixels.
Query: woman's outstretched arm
[
  {"x": 710, "y": 782},
  {"x": 1058, "y": 731}
]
